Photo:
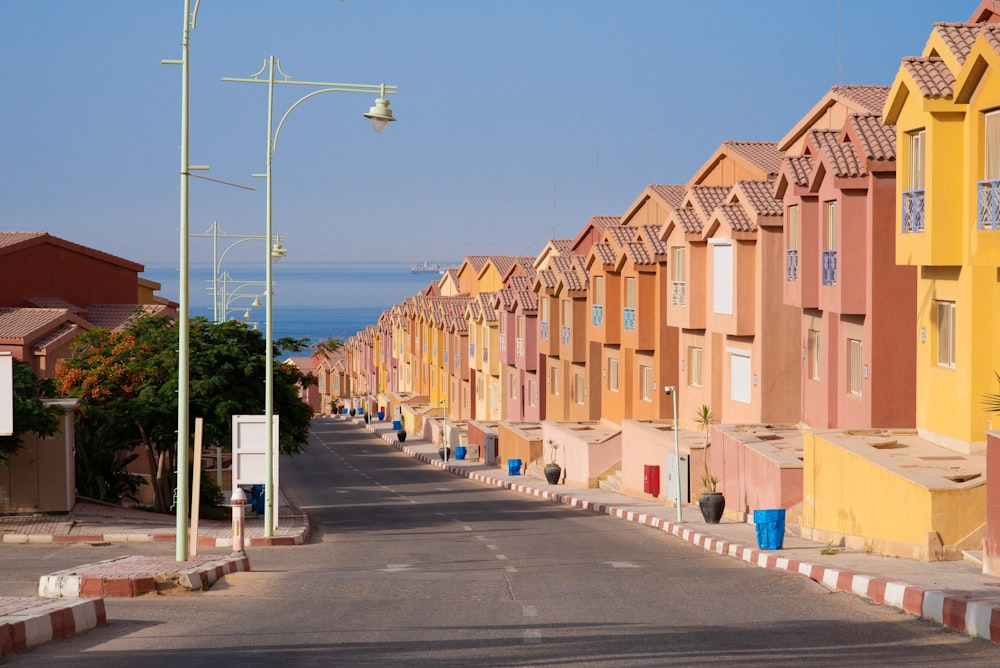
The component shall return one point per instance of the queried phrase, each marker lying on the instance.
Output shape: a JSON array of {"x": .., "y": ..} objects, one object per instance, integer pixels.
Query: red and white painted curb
[
  {"x": 978, "y": 617},
  {"x": 30, "y": 622}
]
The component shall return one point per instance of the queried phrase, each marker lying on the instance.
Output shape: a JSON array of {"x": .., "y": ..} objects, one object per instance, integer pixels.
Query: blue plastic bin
[
  {"x": 513, "y": 467},
  {"x": 397, "y": 425},
  {"x": 770, "y": 528}
]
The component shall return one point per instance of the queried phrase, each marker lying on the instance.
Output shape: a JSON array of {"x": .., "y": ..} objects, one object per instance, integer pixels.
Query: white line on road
[
  {"x": 530, "y": 611},
  {"x": 532, "y": 636}
]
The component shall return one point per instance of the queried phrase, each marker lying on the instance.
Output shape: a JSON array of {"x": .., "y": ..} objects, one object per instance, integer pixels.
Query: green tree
[
  {"x": 31, "y": 412},
  {"x": 327, "y": 346},
  {"x": 127, "y": 386}
]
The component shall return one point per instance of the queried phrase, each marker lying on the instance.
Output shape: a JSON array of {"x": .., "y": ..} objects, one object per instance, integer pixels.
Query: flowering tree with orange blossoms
[{"x": 127, "y": 386}]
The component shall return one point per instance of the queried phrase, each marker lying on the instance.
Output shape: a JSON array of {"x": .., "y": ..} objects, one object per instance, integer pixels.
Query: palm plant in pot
[
  {"x": 552, "y": 468},
  {"x": 711, "y": 503},
  {"x": 443, "y": 450}
]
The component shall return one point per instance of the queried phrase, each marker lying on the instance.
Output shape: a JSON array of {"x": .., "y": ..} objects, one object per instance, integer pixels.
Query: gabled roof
[
  {"x": 931, "y": 75},
  {"x": 829, "y": 112},
  {"x": 758, "y": 198},
  {"x": 650, "y": 234},
  {"x": 672, "y": 195},
  {"x": 116, "y": 317},
  {"x": 523, "y": 282},
  {"x": 22, "y": 325},
  {"x": 959, "y": 38},
  {"x": 838, "y": 157},
  {"x": 736, "y": 218},
  {"x": 689, "y": 220},
  {"x": 798, "y": 168},
  {"x": 525, "y": 301},
  {"x": 875, "y": 140},
  {"x": 619, "y": 236},
  {"x": 12, "y": 242},
  {"x": 638, "y": 253},
  {"x": 605, "y": 253}
]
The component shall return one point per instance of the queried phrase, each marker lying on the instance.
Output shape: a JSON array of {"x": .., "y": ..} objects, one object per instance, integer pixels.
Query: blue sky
[{"x": 518, "y": 120}]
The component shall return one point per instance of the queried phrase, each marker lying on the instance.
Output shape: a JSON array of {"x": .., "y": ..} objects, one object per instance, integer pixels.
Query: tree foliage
[
  {"x": 327, "y": 346},
  {"x": 127, "y": 384},
  {"x": 31, "y": 412}
]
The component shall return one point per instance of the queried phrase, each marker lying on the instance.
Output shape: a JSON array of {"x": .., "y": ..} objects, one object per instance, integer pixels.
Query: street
[{"x": 409, "y": 565}]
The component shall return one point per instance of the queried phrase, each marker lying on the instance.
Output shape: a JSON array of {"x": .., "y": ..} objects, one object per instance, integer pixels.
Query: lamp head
[
  {"x": 246, "y": 314},
  {"x": 278, "y": 251},
  {"x": 380, "y": 114},
  {"x": 256, "y": 302}
]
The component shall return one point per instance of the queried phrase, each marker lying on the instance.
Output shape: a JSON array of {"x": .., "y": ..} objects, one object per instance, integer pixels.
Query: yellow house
[{"x": 946, "y": 108}]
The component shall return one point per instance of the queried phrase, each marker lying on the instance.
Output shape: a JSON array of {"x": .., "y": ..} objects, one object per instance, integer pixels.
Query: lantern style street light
[{"x": 380, "y": 115}]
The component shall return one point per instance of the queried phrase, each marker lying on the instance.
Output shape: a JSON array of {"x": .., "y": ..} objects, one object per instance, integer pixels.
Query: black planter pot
[
  {"x": 353, "y": 412},
  {"x": 552, "y": 473},
  {"x": 444, "y": 453},
  {"x": 712, "y": 505},
  {"x": 401, "y": 435},
  {"x": 368, "y": 418}
]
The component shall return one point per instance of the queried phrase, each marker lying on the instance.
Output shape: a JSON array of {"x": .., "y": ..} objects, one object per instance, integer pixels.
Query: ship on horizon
[{"x": 429, "y": 268}]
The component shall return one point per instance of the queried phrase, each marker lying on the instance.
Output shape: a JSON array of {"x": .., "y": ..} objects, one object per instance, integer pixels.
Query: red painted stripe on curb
[
  {"x": 913, "y": 600},
  {"x": 953, "y": 613},
  {"x": 876, "y": 590}
]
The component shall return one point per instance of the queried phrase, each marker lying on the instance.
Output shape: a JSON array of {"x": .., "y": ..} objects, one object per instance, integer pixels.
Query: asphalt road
[{"x": 411, "y": 566}]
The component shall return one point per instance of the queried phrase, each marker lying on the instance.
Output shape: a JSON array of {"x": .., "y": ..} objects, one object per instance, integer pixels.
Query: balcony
[
  {"x": 519, "y": 345},
  {"x": 913, "y": 211},
  {"x": 829, "y": 267},
  {"x": 597, "y": 315},
  {"x": 678, "y": 293},
  {"x": 567, "y": 335},
  {"x": 989, "y": 205},
  {"x": 486, "y": 355},
  {"x": 628, "y": 319},
  {"x": 791, "y": 265},
  {"x": 543, "y": 329},
  {"x": 503, "y": 342},
  {"x": 472, "y": 351}
]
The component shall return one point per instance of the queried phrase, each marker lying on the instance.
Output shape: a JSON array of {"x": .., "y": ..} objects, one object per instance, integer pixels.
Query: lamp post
[
  {"x": 444, "y": 429},
  {"x": 380, "y": 116},
  {"x": 216, "y": 232},
  {"x": 671, "y": 390}
]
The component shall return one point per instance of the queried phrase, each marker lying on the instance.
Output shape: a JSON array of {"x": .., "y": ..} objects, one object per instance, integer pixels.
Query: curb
[
  {"x": 134, "y": 576},
  {"x": 41, "y": 620},
  {"x": 976, "y": 617}
]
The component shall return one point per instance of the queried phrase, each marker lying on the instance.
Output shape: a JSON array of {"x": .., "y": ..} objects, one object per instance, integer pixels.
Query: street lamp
[
  {"x": 216, "y": 232},
  {"x": 671, "y": 390},
  {"x": 444, "y": 429},
  {"x": 380, "y": 116}
]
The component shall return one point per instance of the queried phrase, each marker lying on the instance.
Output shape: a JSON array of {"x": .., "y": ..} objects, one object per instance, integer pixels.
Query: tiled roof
[
  {"x": 620, "y": 235},
  {"x": 527, "y": 300},
  {"x": 505, "y": 298},
  {"x": 841, "y": 159},
  {"x": 689, "y": 220},
  {"x": 758, "y": 196},
  {"x": 486, "y": 306},
  {"x": 959, "y": 37},
  {"x": 992, "y": 34},
  {"x": 575, "y": 280},
  {"x": 562, "y": 245},
  {"x": 706, "y": 198},
  {"x": 477, "y": 262},
  {"x": 68, "y": 328},
  {"x": 763, "y": 154},
  {"x": 735, "y": 216},
  {"x": 673, "y": 195},
  {"x": 116, "y": 317},
  {"x": 521, "y": 282},
  {"x": 799, "y": 169},
  {"x": 17, "y": 323},
  {"x": 546, "y": 278},
  {"x": 638, "y": 253},
  {"x": 12, "y": 238},
  {"x": 526, "y": 264},
  {"x": 502, "y": 263},
  {"x": 605, "y": 253},
  {"x": 932, "y": 76},
  {"x": 651, "y": 234},
  {"x": 55, "y": 302},
  {"x": 871, "y": 98},
  {"x": 604, "y": 222},
  {"x": 877, "y": 141}
]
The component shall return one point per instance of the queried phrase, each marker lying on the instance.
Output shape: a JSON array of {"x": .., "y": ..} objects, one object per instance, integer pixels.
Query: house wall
[
  {"x": 41, "y": 476},
  {"x": 47, "y": 270}
]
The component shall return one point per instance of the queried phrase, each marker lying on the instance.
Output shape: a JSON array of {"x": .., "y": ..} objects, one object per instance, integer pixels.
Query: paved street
[{"x": 409, "y": 565}]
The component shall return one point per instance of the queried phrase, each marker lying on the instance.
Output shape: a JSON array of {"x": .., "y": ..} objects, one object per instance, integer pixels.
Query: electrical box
[{"x": 651, "y": 480}]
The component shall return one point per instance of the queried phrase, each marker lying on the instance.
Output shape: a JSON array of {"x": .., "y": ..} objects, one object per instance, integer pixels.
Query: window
[
  {"x": 678, "y": 287},
  {"x": 597, "y": 303},
  {"x": 613, "y": 374},
  {"x": 854, "y": 365},
  {"x": 739, "y": 375},
  {"x": 722, "y": 278},
  {"x": 812, "y": 343},
  {"x": 677, "y": 272},
  {"x": 502, "y": 327},
  {"x": 599, "y": 290},
  {"x": 628, "y": 317},
  {"x": 694, "y": 366},
  {"x": 991, "y": 146},
  {"x": 830, "y": 245},
  {"x": 915, "y": 177},
  {"x": 554, "y": 381},
  {"x": 792, "y": 253},
  {"x": 567, "y": 320},
  {"x": 946, "y": 334},
  {"x": 533, "y": 392},
  {"x": 578, "y": 388},
  {"x": 645, "y": 382},
  {"x": 543, "y": 318},
  {"x": 512, "y": 386}
]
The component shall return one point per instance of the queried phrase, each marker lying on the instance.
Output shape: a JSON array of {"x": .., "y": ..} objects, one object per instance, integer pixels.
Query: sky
[{"x": 518, "y": 120}]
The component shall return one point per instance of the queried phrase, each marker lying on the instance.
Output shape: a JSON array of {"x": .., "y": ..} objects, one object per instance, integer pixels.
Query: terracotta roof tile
[
  {"x": 799, "y": 168},
  {"x": 547, "y": 279},
  {"x": 116, "y": 317},
  {"x": 959, "y": 37},
  {"x": 55, "y": 302},
  {"x": 638, "y": 253},
  {"x": 562, "y": 245},
  {"x": 526, "y": 300},
  {"x": 604, "y": 222},
  {"x": 505, "y": 298},
  {"x": 619, "y": 236},
  {"x": 932, "y": 76},
  {"x": 872, "y": 98},
  {"x": 841, "y": 159},
  {"x": 651, "y": 234},
  {"x": 877, "y": 141},
  {"x": 735, "y": 216},
  {"x": 758, "y": 197},
  {"x": 689, "y": 220},
  {"x": 486, "y": 306},
  {"x": 65, "y": 329},
  {"x": 477, "y": 262},
  {"x": 12, "y": 238},
  {"x": 992, "y": 35},
  {"x": 521, "y": 282},
  {"x": 706, "y": 198},
  {"x": 763, "y": 154},
  {"x": 502, "y": 263},
  {"x": 526, "y": 263},
  {"x": 605, "y": 253},
  {"x": 575, "y": 280},
  {"x": 673, "y": 195},
  {"x": 17, "y": 323}
]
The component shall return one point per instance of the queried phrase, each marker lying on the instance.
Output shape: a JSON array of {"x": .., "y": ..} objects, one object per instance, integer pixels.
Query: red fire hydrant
[{"x": 238, "y": 503}]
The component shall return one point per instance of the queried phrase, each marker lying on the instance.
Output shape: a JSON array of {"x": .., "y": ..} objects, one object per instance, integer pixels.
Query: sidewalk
[{"x": 955, "y": 594}]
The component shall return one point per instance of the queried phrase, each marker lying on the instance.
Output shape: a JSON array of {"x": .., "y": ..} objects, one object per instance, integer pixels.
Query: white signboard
[
  {"x": 249, "y": 449},
  {"x": 6, "y": 394}
]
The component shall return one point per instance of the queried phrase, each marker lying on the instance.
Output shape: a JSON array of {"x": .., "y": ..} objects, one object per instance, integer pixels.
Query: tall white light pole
[
  {"x": 380, "y": 116},
  {"x": 672, "y": 390}
]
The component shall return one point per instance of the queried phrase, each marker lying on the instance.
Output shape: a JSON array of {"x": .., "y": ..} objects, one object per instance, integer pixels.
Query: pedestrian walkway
[{"x": 955, "y": 594}]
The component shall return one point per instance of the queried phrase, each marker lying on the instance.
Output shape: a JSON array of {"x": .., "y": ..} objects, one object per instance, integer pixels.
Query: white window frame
[
  {"x": 854, "y": 366},
  {"x": 740, "y": 375},
  {"x": 695, "y": 357},
  {"x": 722, "y": 276},
  {"x": 945, "y": 333},
  {"x": 645, "y": 382},
  {"x": 613, "y": 374}
]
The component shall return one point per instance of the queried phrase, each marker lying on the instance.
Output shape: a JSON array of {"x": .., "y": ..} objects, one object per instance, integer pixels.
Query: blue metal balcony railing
[
  {"x": 792, "y": 265},
  {"x": 829, "y": 267},
  {"x": 472, "y": 351},
  {"x": 567, "y": 336},
  {"x": 543, "y": 329},
  {"x": 913, "y": 211},
  {"x": 628, "y": 320},
  {"x": 597, "y": 315},
  {"x": 989, "y": 205}
]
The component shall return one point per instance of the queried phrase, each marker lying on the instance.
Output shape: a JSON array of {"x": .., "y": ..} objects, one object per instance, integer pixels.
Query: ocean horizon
[{"x": 311, "y": 300}]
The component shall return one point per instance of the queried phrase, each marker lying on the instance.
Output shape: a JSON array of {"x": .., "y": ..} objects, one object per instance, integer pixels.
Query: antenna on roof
[
  {"x": 597, "y": 186},
  {"x": 654, "y": 147},
  {"x": 840, "y": 50},
  {"x": 739, "y": 106}
]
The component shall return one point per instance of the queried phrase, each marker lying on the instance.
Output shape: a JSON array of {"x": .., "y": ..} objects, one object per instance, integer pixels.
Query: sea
[{"x": 311, "y": 300}]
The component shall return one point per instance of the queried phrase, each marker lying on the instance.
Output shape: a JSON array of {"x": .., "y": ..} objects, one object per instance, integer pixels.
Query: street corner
[{"x": 26, "y": 623}]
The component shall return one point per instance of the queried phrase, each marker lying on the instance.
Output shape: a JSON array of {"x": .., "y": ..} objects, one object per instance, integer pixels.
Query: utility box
[
  {"x": 651, "y": 480},
  {"x": 489, "y": 448}
]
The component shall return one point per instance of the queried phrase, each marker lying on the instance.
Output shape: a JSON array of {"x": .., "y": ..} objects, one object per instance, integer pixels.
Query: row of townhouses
[{"x": 830, "y": 296}]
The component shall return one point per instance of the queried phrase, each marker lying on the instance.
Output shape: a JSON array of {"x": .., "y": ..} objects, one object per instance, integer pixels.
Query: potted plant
[
  {"x": 401, "y": 435},
  {"x": 711, "y": 503},
  {"x": 443, "y": 450},
  {"x": 552, "y": 469},
  {"x": 352, "y": 412}
]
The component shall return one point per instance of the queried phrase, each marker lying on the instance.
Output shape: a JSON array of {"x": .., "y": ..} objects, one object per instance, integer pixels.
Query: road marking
[
  {"x": 480, "y": 537},
  {"x": 395, "y": 568},
  {"x": 502, "y": 557},
  {"x": 466, "y": 528},
  {"x": 532, "y": 636},
  {"x": 491, "y": 547},
  {"x": 511, "y": 569},
  {"x": 622, "y": 564},
  {"x": 530, "y": 610}
]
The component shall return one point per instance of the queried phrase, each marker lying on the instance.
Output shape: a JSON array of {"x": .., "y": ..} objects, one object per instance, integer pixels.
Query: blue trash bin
[
  {"x": 770, "y": 528},
  {"x": 513, "y": 467},
  {"x": 396, "y": 425}
]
